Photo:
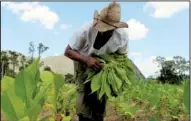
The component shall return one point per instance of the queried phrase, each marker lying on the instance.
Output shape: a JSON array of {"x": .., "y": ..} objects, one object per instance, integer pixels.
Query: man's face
[
  {"x": 102, "y": 38},
  {"x": 105, "y": 35}
]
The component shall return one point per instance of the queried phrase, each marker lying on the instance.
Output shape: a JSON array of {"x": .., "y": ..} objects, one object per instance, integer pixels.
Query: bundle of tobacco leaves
[{"x": 116, "y": 74}]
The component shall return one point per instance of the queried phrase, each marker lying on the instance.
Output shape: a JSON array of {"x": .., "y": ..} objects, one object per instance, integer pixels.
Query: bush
[
  {"x": 69, "y": 78},
  {"x": 47, "y": 68}
]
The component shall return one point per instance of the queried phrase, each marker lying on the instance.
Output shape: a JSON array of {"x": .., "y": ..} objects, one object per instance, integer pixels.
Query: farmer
[{"x": 105, "y": 35}]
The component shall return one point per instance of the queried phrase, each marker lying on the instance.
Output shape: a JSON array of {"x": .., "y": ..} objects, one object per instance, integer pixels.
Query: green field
[{"x": 44, "y": 96}]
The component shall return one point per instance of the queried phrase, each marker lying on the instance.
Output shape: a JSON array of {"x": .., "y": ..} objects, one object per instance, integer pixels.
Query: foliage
[
  {"x": 66, "y": 99},
  {"x": 23, "y": 62},
  {"x": 116, "y": 75},
  {"x": 41, "y": 49},
  {"x": 31, "y": 51},
  {"x": 69, "y": 78},
  {"x": 21, "y": 68},
  {"x": 4, "y": 63},
  {"x": 14, "y": 60},
  {"x": 151, "y": 101},
  {"x": 24, "y": 96},
  {"x": 186, "y": 96},
  {"x": 147, "y": 101},
  {"x": 10, "y": 73},
  {"x": 56, "y": 82},
  {"x": 47, "y": 68},
  {"x": 168, "y": 74},
  {"x": 172, "y": 71}
]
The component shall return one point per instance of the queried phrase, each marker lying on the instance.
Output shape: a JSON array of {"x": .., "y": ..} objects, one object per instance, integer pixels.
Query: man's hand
[
  {"x": 93, "y": 63},
  {"x": 90, "y": 61}
]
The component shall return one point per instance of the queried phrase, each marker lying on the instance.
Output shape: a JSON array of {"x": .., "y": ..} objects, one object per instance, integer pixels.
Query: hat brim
[{"x": 103, "y": 26}]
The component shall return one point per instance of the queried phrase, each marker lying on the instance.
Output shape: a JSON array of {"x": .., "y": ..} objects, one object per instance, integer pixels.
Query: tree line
[
  {"x": 10, "y": 60},
  {"x": 172, "y": 71}
]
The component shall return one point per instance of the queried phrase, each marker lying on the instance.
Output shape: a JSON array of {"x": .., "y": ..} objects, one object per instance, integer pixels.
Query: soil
[
  {"x": 112, "y": 115},
  {"x": 2, "y": 117}
]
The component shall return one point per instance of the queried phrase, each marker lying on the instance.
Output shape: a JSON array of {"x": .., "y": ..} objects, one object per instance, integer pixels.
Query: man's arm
[{"x": 76, "y": 56}]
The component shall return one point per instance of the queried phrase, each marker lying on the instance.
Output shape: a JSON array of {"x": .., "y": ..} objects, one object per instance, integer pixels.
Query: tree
[
  {"x": 181, "y": 65},
  {"x": 47, "y": 68},
  {"x": 41, "y": 49},
  {"x": 160, "y": 61},
  {"x": 31, "y": 51},
  {"x": 4, "y": 63},
  {"x": 168, "y": 73},
  {"x": 21, "y": 68},
  {"x": 23, "y": 61},
  {"x": 172, "y": 71},
  {"x": 14, "y": 61}
]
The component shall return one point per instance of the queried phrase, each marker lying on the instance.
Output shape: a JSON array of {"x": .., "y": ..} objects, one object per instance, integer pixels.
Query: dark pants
[
  {"x": 88, "y": 107},
  {"x": 81, "y": 118},
  {"x": 94, "y": 106}
]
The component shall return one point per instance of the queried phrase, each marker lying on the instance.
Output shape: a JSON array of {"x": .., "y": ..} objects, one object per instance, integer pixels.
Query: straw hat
[{"x": 109, "y": 18}]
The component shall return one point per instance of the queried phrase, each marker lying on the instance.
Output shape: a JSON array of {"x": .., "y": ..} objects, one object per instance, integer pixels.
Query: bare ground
[{"x": 112, "y": 115}]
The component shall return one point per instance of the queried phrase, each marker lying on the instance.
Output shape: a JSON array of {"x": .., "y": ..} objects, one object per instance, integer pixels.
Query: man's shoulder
[{"x": 123, "y": 32}]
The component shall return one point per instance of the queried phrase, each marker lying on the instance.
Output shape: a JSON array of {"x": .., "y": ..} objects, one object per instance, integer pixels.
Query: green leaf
[
  {"x": 12, "y": 106},
  {"x": 47, "y": 77},
  {"x": 109, "y": 78},
  {"x": 58, "y": 83},
  {"x": 117, "y": 80},
  {"x": 34, "y": 71},
  {"x": 186, "y": 97},
  {"x": 152, "y": 119},
  {"x": 114, "y": 84},
  {"x": 154, "y": 98},
  {"x": 24, "y": 96},
  {"x": 26, "y": 83},
  {"x": 8, "y": 108},
  {"x": 66, "y": 118},
  {"x": 96, "y": 82},
  {"x": 40, "y": 96},
  {"x": 47, "y": 118},
  {"x": 107, "y": 88},
  {"x": 26, "y": 118},
  {"x": 6, "y": 82},
  {"x": 34, "y": 112},
  {"x": 120, "y": 73},
  {"x": 133, "y": 109},
  {"x": 103, "y": 83},
  {"x": 102, "y": 91}
]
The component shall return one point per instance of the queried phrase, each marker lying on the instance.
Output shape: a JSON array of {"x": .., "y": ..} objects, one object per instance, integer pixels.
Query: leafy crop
[
  {"x": 66, "y": 99},
  {"x": 151, "y": 100},
  {"x": 113, "y": 78},
  {"x": 186, "y": 96},
  {"x": 22, "y": 98}
]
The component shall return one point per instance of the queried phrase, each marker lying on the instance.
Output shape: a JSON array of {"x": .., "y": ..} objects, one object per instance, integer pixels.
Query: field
[
  {"x": 142, "y": 102},
  {"x": 35, "y": 95}
]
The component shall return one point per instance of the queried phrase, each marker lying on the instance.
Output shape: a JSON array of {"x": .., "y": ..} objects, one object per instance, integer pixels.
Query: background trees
[
  {"x": 12, "y": 62},
  {"x": 172, "y": 71}
]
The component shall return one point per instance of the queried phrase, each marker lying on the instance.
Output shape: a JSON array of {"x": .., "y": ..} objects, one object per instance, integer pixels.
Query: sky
[{"x": 155, "y": 28}]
